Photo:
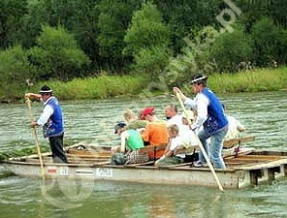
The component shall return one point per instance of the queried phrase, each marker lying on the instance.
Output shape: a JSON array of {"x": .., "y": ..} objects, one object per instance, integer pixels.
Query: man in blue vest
[
  {"x": 211, "y": 122},
  {"x": 52, "y": 121}
]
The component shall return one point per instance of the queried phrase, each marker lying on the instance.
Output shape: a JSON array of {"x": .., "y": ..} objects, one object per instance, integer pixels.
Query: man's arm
[
  {"x": 124, "y": 136},
  {"x": 32, "y": 95},
  {"x": 47, "y": 113},
  {"x": 202, "y": 104}
]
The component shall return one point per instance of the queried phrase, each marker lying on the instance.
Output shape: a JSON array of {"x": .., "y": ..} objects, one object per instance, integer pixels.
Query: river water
[{"x": 264, "y": 115}]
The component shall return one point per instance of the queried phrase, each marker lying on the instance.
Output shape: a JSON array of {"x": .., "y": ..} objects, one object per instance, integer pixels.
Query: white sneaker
[{"x": 199, "y": 164}]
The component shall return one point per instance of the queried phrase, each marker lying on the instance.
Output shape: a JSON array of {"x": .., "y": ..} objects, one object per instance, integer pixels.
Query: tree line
[{"x": 64, "y": 39}]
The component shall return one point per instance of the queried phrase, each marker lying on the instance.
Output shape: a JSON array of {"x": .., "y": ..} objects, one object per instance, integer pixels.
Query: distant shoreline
[{"x": 114, "y": 86}]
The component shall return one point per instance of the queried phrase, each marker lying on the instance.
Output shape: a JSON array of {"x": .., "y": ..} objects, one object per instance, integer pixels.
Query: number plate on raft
[{"x": 104, "y": 172}]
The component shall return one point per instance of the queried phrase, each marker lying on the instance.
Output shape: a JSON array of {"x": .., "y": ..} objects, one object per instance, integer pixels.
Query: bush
[
  {"x": 229, "y": 49},
  {"x": 147, "y": 41},
  {"x": 151, "y": 60},
  {"x": 57, "y": 55},
  {"x": 282, "y": 48},
  {"x": 194, "y": 56},
  {"x": 14, "y": 71},
  {"x": 267, "y": 39}
]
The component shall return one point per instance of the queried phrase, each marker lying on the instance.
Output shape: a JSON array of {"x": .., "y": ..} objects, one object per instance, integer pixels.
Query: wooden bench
[
  {"x": 152, "y": 149},
  {"x": 237, "y": 141},
  {"x": 188, "y": 150},
  {"x": 228, "y": 144},
  {"x": 232, "y": 147}
]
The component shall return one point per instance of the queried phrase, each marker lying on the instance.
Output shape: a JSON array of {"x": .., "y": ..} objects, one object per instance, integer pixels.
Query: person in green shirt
[
  {"x": 130, "y": 138},
  {"x": 131, "y": 142}
]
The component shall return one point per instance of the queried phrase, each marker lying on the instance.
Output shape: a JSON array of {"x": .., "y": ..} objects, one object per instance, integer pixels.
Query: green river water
[{"x": 264, "y": 115}]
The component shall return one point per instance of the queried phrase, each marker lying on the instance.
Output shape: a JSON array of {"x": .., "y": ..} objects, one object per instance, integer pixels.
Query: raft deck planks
[{"x": 243, "y": 170}]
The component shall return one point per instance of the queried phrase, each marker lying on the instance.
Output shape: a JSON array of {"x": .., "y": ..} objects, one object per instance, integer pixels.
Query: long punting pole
[
  {"x": 201, "y": 146},
  {"x": 36, "y": 139}
]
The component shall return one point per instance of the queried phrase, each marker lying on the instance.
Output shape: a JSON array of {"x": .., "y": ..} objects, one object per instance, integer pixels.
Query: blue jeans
[{"x": 214, "y": 148}]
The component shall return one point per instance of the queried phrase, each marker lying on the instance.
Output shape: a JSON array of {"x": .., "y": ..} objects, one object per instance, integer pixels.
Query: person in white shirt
[
  {"x": 172, "y": 115},
  {"x": 175, "y": 141},
  {"x": 211, "y": 121},
  {"x": 51, "y": 120},
  {"x": 234, "y": 128},
  {"x": 189, "y": 137}
]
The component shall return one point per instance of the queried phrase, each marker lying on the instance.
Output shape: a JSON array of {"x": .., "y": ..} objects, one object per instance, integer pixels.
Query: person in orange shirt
[{"x": 155, "y": 132}]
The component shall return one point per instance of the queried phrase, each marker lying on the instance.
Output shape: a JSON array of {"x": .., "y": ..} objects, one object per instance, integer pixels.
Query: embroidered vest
[
  {"x": 216, "y": 119},
  {"x": 55, "y": 125}
]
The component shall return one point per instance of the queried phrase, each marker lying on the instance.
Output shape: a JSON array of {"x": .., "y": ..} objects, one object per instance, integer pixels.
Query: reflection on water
[
  {"x": 109, "y": 199},
  {"x": 264, "y": 115}
]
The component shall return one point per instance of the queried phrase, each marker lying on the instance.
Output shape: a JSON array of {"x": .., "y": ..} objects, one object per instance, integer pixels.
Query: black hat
[
  {"x": 118, "y": 126},
  {"x": 45, "y": 89},
  {"x": 198, "y": 78}
]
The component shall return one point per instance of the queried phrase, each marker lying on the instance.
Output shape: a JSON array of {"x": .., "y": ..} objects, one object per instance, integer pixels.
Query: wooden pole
[
  {"x": 201, "y": 146},
  {"x": 36, "y": 139}
]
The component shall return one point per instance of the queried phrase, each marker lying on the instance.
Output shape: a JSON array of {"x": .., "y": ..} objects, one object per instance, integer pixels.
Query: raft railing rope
[
  {"x": 201, "y": 146},
  {"x": 28, "y": 101}
]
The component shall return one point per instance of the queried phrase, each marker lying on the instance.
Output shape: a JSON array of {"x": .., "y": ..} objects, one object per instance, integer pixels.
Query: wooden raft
[{"x": 100, "y": 155}]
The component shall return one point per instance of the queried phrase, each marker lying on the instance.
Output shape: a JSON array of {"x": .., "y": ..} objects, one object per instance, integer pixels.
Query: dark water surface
[{"x": 264, "y": 115}]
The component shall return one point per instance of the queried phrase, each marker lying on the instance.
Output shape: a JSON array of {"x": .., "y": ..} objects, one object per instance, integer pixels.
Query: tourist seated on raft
[
  {"x": 132, "y": 121},
  {"x": 172, "y": 116},
  {"x": 234, "y": 126},
  {"x": 175, "y": 141},
  {"x": 131, "y": 142},
  {"x": 155, "y": 132},
  {"x": 189, "y": 136}
]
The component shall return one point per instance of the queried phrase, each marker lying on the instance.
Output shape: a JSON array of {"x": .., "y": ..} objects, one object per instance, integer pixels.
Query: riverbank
[
  {"x": 256, "y": 80},
  {"x": 106, "y": 86},
  {"x": 102, "y": 86},
  {"x": 111, "y": 86},
  {"x": 250, "y": 81}
]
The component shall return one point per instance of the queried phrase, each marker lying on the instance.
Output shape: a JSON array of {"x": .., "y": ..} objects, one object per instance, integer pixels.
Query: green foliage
[
  {"x": 146, "y": 30},
  {"x": 11, "y": 21},
  {"x": 179, "y": 16},
  {"x": 57, "y": 55},
  {"x": 102, "y": 86},
  {"x": 79, "y": 17},
  {"x": 32, "y": 21},
  {"x": 113, "y": 22},
  {"x": 117, "y": 36},
  {"x": 277, "y": 11},
  {"x": 146, "y": 38},
  {"x": 110, "y": 37},
  {"x": 282, "y": 48},
  {"x": 152, "y": 59},
  {"x": 14, "y": 70},
  {"x": 252, "y": 81},
  {"x": 22, "y": 152},
  {"x": 193, "y": 56},
  {"x": 253, "y": 10},
  {"x": 267, "y": 41},
  {"x": 229, "y": 49}
]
